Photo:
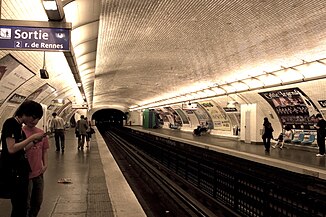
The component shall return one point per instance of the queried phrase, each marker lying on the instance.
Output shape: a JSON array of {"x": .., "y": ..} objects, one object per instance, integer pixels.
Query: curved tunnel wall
[{"x": 293, "y": 105}]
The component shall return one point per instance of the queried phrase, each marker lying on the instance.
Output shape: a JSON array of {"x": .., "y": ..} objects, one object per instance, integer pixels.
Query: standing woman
[
  {"x": 13, "y": 155},
  {"x": 267, "y": 134}
]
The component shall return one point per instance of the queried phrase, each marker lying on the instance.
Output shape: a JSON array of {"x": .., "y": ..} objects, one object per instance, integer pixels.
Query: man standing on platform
[
  {"x": 321, "y": 133},
  {"x": 58, "y": 126}
]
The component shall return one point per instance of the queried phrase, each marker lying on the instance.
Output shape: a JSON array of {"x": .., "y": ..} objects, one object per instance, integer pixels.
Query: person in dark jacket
[
  {"x": 81, "y": 127},
  {"x": 321, "y": 133},
  {"x": 267, "y": 134},
  {"x": 13, "y": 156}
]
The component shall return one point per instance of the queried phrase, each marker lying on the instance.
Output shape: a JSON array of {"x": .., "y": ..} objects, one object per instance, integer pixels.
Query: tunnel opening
[{"x": 109, "y": 118}]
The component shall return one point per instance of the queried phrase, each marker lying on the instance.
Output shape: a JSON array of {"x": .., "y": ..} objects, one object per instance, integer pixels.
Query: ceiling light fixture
[
  {"x": 53, "y": 9},
  {"x": 306, "y": 71},
  {"x": 50, "y": 5}
]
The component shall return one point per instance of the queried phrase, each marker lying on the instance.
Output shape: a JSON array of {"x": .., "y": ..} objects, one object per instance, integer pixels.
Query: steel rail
[{"x": 189, "y": 204}]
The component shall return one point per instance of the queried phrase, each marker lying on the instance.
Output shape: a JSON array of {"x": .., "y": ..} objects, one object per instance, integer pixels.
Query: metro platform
[
  {"x": 295, "y": 158},
  {"x": 97, "y": 189}
]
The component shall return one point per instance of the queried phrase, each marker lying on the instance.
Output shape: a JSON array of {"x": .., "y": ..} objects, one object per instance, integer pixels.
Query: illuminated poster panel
[
  {"x": 17, "y": 99},
  {"x": 50, "y": 110},
  {"x": 66, "y": 111},
  {"x": 293, "y": 107},
  {"x": 162, "y": 115},
  {"x": 60, "y": 109},
  {"x": 12, "y": 75},
  {"x": 219, "y": 118},
  {"x": 202, "y": 115},
  {"x": 182, "y": 115},
  {"x": 7, "y": 112},
  {"x": 173, "y": 116},
  {"x": 41, "y": 93},
  {"x": 194, "y": 122}
]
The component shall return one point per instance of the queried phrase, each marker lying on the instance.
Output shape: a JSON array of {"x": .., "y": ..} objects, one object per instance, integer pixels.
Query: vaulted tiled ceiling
[{"x": 153, "y": 49}]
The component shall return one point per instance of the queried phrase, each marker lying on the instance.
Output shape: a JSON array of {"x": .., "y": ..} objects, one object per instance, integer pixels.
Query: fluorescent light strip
[
  {"x": 295, "y": 74},
  {"x": 50, "y": 5}
]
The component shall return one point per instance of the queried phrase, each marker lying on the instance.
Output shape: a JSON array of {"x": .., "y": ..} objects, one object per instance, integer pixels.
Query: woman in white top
[{"x": 288, "y": 134}]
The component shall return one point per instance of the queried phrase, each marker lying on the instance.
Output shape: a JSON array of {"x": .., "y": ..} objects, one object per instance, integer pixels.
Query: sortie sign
[{"x": 34, "y": 38}]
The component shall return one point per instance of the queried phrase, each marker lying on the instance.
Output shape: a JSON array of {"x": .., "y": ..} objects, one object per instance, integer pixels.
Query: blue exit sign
[{"x": 34, "y": 37}]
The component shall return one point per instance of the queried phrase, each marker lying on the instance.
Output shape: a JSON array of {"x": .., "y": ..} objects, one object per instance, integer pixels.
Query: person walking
[
  {"x": 89, "y": 133},
  {"x": 267, "y": 134},
  {"x": 81, "y": 128},
  {"x": 321, "y": 133},
  {"x": 58, "y": 126},
  {"x": 37, "y": 156},
  {"x": 13, "y": 156}
]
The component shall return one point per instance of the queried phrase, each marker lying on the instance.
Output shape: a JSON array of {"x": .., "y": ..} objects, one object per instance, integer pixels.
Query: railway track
[
  {"x": 184, "y": 180},
  {"x": 173, "y": 199}
]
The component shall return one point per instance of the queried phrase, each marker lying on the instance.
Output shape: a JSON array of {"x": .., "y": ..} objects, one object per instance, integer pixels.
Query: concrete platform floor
[{"x": 98, "y": 187}]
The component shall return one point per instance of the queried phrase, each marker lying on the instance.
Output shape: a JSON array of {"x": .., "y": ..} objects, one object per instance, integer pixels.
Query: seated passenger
[
  {"x": 280, "y": 141},
  {"x": 288, "y": 135}
]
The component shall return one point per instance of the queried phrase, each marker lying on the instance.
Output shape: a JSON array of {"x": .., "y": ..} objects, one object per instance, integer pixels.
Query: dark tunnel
[{"x": 109, "y": 118}]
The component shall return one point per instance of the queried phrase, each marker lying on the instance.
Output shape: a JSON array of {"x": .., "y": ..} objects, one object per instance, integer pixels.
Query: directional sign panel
[{"x": 34, "y": 38}]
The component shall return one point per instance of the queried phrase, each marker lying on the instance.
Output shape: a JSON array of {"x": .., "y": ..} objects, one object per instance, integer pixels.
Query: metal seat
[
  {"x": 299, "y": 139},
  {"x": 310, "y": 140}
]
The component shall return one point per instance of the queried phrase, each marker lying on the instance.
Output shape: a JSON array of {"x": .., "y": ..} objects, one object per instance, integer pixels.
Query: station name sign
[
  {"x": 226, "y": 109},
  {"x": 30, "y": 35}
]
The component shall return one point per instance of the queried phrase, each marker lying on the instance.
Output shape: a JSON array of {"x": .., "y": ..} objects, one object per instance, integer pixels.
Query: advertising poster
[
  {"x": 162, "y": 115},
  {"x": 220, "y": 120},
  {"x": 203, "y": 116},
  {"x": 41, "y": 93},
  {"x": 12, "y": 75},
  {"x": 67, "y": 111},
  {"x": 182, "y": 115},
  {"x": 8, "y": 111},
  {"x": 194, "y": 122},
  {"x": 60, "y": 109},
  {"x": 173, "y": 116},
  {"x": 293, "y": 107},
  {"x": 16, "y": 98}
]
